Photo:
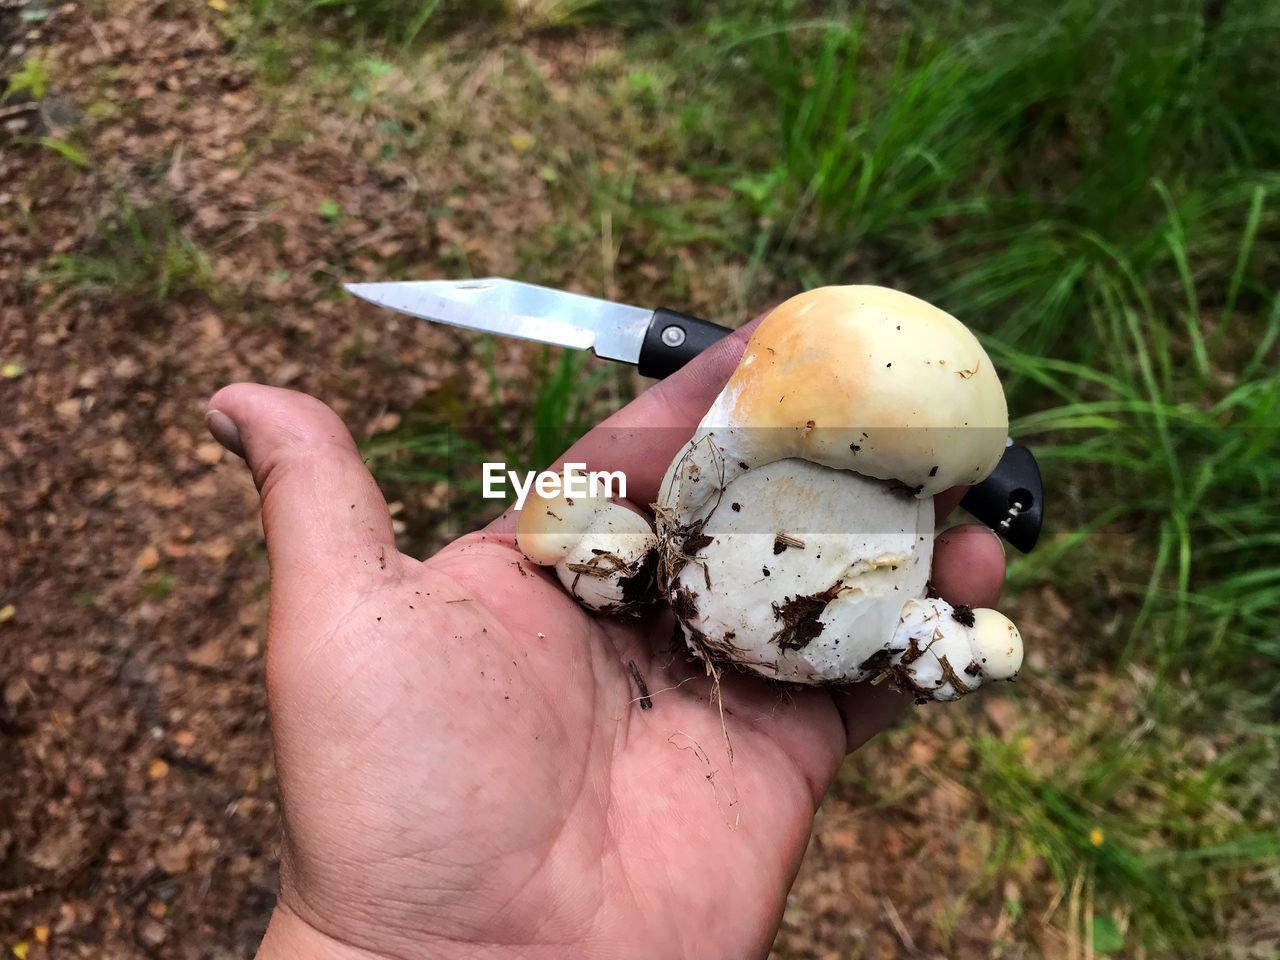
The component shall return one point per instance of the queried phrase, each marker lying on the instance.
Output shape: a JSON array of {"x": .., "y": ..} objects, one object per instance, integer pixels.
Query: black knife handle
[
  {"x": 1010, "y": 501},
  {"x": 673, "y": 339}
]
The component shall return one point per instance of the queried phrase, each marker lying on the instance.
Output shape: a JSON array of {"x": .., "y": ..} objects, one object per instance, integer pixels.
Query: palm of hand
[{"x": 486, "y": 776}]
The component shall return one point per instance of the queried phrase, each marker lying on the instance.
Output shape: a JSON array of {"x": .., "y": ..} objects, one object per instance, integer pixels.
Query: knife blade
[{"x": 659, "y": 342}]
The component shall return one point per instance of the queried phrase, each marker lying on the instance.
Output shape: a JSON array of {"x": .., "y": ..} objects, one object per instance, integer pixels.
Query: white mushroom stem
[
  {"x": 800, "y": 571},
  {"x": 843, "y": 603},
  {"x": 941, "y": 652},
  {"x": 603, "y": 552}
]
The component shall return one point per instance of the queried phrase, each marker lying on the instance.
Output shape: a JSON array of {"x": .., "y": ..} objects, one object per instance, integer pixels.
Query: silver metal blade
[{"x": 614, "y": 331}]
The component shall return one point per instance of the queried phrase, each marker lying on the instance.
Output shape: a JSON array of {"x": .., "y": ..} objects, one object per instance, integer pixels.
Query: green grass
[
  {"x": 1157, "y": 861},
  {"x": 31, "y": 78},
  {"x": 139, "y": 255},
  {"x": 1098, "y": 192},
  {"x": 406, "y": 22},
  {"x": 1000, "y": 164},
  {"x": 1180, "y": 432},
  {"x": 400, "y": 20},
  {"x": 1095, "y": 188}
]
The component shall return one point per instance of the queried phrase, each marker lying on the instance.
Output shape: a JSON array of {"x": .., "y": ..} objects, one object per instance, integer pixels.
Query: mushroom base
[
  {"x": 798, "y": 571},
  {"x": 616, "y": 582},
  {"x": 811, "y": 575}
]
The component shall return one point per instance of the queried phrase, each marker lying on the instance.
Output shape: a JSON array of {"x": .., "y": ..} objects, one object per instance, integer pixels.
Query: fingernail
[{"x": 225, "y": 431}]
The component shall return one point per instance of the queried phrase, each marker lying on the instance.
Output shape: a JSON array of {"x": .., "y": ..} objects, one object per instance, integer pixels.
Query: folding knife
[{"x": 659, "y": 342}]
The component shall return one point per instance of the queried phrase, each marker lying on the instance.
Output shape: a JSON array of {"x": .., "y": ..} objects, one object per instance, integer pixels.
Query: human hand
[{"x": 465, "y": 769}]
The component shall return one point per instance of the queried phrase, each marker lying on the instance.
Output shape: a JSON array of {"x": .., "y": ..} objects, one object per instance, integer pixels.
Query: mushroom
[
  {"x": 795, "y": 528},
  {"x": 604, "y": 553}
]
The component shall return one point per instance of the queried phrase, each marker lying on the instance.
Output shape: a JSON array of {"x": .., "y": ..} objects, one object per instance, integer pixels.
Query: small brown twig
[
  {"x": 18, "y": 109},
  {"x": 646, "y": 702}
]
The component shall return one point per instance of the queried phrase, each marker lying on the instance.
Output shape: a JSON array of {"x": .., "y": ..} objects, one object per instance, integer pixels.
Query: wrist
[{"x": 289, "y": 937}]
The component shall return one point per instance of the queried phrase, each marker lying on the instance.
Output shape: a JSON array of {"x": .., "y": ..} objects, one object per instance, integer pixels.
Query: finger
[
  {"x": 968, "y": 566},
  {"x": 947, "y": 501},
  {"x": 325, "y": 520},
  {"x": 866, "y": 709},
  {"x": 643, "y": 437}
]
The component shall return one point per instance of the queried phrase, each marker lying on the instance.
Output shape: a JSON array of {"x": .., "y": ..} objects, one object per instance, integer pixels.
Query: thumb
[{"x": 325, "y": 520}]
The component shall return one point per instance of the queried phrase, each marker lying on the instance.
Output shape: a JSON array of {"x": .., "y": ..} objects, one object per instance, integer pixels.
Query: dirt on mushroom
[{"x": 800, "y": 618}]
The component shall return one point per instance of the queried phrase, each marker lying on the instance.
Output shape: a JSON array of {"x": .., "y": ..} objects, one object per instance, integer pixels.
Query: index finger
[{"x": 643, "y": 437}]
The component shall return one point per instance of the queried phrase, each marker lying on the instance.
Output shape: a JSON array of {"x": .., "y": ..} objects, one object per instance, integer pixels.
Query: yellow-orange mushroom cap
[{"x": 867, "y": 379}]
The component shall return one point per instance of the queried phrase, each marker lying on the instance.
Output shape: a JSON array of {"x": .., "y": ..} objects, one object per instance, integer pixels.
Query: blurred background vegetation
[{"x": 1093, "y": 186}]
